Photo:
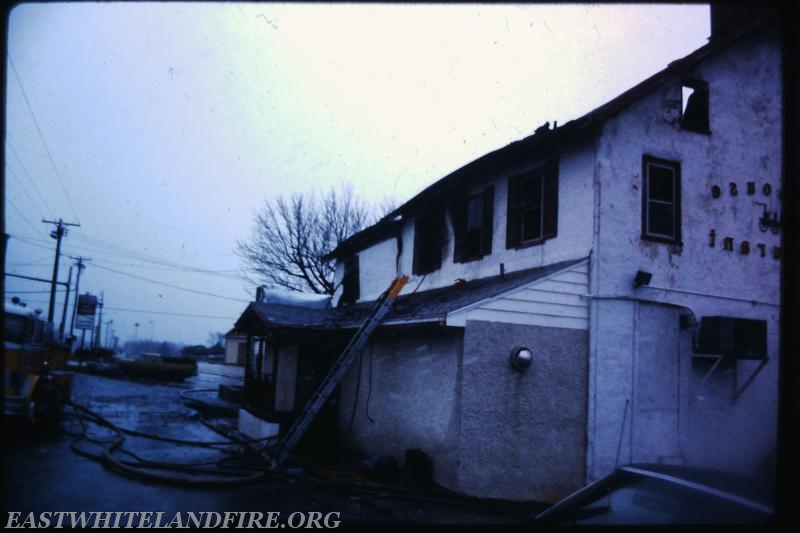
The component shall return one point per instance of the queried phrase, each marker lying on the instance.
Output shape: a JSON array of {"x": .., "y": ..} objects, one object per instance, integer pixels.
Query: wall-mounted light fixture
[
  {"x": 641, "y": 278},
  {"x": 521, "y": 358}
]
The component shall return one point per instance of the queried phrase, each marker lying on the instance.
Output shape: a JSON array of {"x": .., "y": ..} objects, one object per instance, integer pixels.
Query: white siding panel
[
  {"x": 571, "y": 277},
  {"x": 569, "y": 287},
  {"x": 489, "y": 315},
  {"x": 558, "y": 301},
  {"x": 536, "y": 295},
  {"x": 554, "y": 309},
  {"x": 583, "y": 268}
]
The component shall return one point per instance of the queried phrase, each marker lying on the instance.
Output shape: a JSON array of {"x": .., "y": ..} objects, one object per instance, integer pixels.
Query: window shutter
[
  {"x": 488, "y": 220},
  {"x": 458, "y": 216},
  {"x": 428, "y": 242},
  {"x": 350, "y": 282},
  {"x": 356, "y": 279},
  {"x": 550, "y": 201},
  {"x": 513, "y": 216},
  {"x": 437, "y": 236},
  {"x": 419, "y": 239}
]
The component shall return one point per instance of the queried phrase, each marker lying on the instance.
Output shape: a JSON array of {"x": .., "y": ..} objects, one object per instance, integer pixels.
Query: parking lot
[{"x": 46, "y": 475}]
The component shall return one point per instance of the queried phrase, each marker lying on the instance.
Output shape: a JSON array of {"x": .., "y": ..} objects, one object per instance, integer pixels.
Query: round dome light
[{"x": 521, "y": 358}]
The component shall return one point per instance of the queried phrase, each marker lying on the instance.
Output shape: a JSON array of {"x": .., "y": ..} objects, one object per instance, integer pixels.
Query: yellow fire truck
[{"x": 35, "y": 376}]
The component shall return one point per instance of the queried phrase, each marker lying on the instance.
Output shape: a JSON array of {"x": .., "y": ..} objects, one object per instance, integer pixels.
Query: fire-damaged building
[{"x": 601, "y": 292}]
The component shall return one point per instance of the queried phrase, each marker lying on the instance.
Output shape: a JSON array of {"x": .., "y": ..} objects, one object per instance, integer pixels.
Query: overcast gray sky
[{"x": 161, "y": 127}]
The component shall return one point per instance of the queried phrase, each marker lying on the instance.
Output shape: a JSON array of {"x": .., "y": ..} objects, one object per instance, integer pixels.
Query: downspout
[{"x": 594, "y": 328}]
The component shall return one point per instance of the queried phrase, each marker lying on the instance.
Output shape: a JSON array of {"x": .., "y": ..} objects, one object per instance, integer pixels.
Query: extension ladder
[{"x": 338, "y": 371}]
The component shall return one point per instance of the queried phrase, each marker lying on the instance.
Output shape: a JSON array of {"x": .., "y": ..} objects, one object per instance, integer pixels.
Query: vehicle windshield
[
  {"x": 14, "y": 328},
  {"x": 634, "y": 499}
]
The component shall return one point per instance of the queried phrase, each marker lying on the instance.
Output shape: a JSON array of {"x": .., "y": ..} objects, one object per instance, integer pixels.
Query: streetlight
[
  {"x": 151, "y": 330},
  {"x": 136, "y": 334}
]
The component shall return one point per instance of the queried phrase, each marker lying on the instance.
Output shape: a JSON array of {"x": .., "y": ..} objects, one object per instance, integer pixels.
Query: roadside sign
[{"x": 87, "y": 305}]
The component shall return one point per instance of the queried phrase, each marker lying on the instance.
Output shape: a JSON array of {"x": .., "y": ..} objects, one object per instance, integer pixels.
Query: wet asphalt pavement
[{"x": 45, "y": 475}]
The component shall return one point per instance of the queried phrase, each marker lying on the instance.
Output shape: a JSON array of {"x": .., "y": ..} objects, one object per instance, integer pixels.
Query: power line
[
  {"x": 37, "y": 243},
  {"x": 124, "y": 252},
  {"x": 222, "y": 273},
  {"x": 30, "y": 242},
  {"x": 144, "y": 311},
  {"x": 28, "y": 175},
  {"x": 20, "y": 213},
  {"x": 9, "y": 291},
  {"x": 117, "y": 251},
  {"x": 39, "y": 130},
  {"x": 171, "y": 286},
  {"x": 24, "y": 190},
  {"x": 35, "y": 262},
  {"x": 190, "y": 315}
]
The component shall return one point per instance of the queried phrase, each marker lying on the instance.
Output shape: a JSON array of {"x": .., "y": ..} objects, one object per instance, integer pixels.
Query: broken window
[
  {"x": 661, "y": 213},
  {"x": 472, "y": 226},
  {"x": 350, "y": 286},
  {"x": 429, "y": 235},
  {"x": 694, "y": 109},
  {"x": 532, "y": 207}
]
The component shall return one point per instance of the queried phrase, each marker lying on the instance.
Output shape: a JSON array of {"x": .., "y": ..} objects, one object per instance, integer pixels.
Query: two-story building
[{"x": 601, "y": 292}]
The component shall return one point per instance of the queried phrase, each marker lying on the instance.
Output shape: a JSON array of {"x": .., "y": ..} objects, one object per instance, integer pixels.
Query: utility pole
[
  {"x": 66, "y": 305},
  {"x": 80, "y": 266},
  {"x": 57, "y": 234}
]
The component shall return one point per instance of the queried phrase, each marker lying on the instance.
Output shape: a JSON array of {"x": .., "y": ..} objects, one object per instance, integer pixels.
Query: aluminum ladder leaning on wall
[{"x": 338, "y": 371}]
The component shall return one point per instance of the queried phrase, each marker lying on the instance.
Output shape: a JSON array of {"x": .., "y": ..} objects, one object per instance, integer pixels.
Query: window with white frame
[{"x": 661, "y": 195}]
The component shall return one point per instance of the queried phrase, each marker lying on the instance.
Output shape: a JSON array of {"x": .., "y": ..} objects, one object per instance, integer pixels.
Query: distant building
[{"x": 601, "y": 292}]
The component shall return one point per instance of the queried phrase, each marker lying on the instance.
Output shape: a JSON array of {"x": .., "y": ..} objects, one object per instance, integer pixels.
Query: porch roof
[{"x": 417, "y": 307}]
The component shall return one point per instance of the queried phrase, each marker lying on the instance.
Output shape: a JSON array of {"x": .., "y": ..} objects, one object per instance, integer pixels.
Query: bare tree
[{"x": 291, "y": 235}]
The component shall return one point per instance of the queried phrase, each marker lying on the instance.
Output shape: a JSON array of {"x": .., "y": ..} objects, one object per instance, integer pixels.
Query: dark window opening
[
  {"x": 661, "y": 213},
  {"x": 429, "y": 235},
  {"x": 532, "y": 207},
  {"x": 694, "y": 109},
  {"x": 472, "y": 226},
  {"x": 350, "y": 286}
]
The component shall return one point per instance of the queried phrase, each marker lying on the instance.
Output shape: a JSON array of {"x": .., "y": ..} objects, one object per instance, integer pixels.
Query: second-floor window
[
  {"x": 532, "y": 207},
  {"x": 472, "y": 225},
  {"x": 694, "y": 108},
  {"x": 661, "y": 200},
  {"x": 429, "y": 237}
]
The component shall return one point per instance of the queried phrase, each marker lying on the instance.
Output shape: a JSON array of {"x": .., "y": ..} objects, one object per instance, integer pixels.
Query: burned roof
[
  {"x": 545, "y": 142},
  {"x": 417, "y": 307}
]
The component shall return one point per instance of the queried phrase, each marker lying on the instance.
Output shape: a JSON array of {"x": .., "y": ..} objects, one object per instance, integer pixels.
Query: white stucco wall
[
  {"x": 377, "y": 268},
  {"x": 638, "y": 353},
  {"x": 745, "y": 145},
  {"x": 716, "y": 428}
]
